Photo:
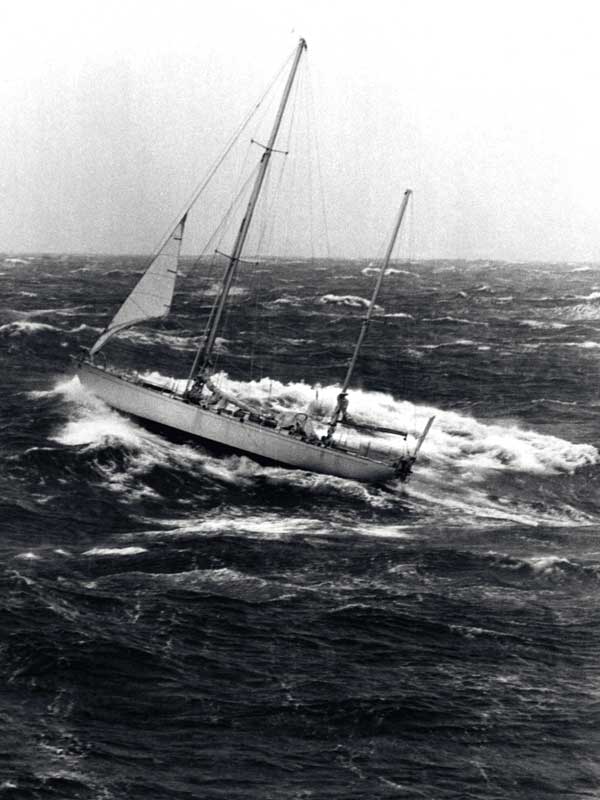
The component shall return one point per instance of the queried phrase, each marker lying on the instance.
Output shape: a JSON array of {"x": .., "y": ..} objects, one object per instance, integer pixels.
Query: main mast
[
  {"x": 203, "y": 357},
  {"x": 342, "y": 399}
]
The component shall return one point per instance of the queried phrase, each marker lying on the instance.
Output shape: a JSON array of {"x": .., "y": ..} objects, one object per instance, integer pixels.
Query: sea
[{"x": 182, "y": 622}]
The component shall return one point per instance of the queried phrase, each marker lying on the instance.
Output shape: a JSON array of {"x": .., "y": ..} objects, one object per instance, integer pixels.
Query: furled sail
[{"x": 152, "y": 295}]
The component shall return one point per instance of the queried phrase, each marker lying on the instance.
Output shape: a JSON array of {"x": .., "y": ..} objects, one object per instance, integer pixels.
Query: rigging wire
[
  {"x": 201, "y": 186},
  {"x": 313, "y": 127},
  {"x": 268, "y": 219},
  {"x": 234, "y": 275}
]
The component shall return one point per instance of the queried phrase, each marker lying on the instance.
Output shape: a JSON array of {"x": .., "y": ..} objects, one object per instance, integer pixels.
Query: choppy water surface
[{"x": 179, "y": 623}]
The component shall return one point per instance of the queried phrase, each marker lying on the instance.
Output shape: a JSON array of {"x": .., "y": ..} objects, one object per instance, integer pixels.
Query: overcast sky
[{"x": 489, "y": 111}]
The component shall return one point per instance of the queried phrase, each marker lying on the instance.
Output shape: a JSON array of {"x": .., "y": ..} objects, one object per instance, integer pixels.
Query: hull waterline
[{"x": 172, "y": 411}]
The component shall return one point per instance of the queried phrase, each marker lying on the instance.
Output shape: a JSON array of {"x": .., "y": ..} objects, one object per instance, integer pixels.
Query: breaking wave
[
  {"x": 455, "y": 320},
  {"x": 26, "y": 327},
  {"x": 350, "y": 300},
  {"x": 389, "y": 271},
  {"x": 543, "y": 324}
]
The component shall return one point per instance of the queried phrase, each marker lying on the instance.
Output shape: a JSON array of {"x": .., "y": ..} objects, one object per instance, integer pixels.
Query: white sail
[{"x": 152, "y": 295}]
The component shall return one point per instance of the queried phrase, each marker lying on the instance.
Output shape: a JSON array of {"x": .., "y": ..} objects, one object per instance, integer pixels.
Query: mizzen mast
[
  {"x": 342, "y": 400},
  {"x": 202, "y": 361}
]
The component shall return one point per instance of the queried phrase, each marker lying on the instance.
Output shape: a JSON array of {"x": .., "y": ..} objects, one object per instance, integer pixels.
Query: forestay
[{"x": 152, "y": 295}]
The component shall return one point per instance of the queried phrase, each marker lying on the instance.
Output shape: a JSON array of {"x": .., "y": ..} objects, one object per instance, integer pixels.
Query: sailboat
[{"x": 206, "y": 411}]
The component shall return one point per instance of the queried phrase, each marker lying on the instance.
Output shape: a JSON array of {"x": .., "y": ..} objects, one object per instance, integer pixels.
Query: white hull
[{"x": 173, "y": 411}]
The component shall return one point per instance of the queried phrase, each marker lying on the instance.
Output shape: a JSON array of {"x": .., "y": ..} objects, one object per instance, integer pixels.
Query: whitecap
[
  {"x": 26, "y": 327},
  {"x": 537, "y": 323},
  {"x": 455, "y": 343},
  {"x": 546, "y": 565},
  {"x": 70, "y": 311},
  {"x": 582, "y": 345},
  {"x": 455, "y": 320},
  {"x": 350, "y": 300},
  {"x": 389, "y": 271},
  {"x": 115, "y": 551},
  {"x": 29, "y": 556}
]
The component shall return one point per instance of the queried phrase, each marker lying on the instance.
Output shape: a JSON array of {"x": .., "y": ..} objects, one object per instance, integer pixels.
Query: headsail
[{"x": 152, "y": 295}]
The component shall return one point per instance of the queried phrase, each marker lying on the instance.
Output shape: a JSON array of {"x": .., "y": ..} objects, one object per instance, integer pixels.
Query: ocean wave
[
  {"x": 115, "y": 551},
  {"x": 70, "y": 311},
  {"x": 582, "y": 345},
  {"x": 389, "y": 271},
  {"x": 455, "y": 343},
  {"x": 591, "y": 296},
  {"x": 26, "y": 327},
  {"x": 215, "y": 289},
  {"x": 543, "y": 400},
  {"x": 288, "y": 300},
  {"x": 183, "y": 342},
  {"x": 461, "y": 504},
  {"x": 544, "y": 566},
  {"x": 114, "y": 273},
  {"x": 180, "y": 343},
  {"x": 465, "y": 441},
  {"x": 15, "y": 261},
  {"x": 350, "y": 300},
  {"x": 267, "y": 525},
  {"x": 588, "y": 312},
  {"x": 543, "y": 324},
  {"x": 94, "y": 427},
  {"x": 218, "y": 582},
  {"x": 455, "y": 320}
]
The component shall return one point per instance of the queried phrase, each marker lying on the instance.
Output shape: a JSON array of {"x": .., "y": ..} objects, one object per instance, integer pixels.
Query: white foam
[
  {"x": 455, "y": 320},
  {"x": 26, "y": 327},
  {"x": 546, "y": 565},
  {"x": 582, "y": 345},
  {"x": 350, "y": 300},
  {"x": 455, "y": 343},
  {"x": 389, "y": 271},
  {"x": 454, "y": 438},
  {"x": 115, "y": 551},
  {"x": 93, "y": 425},
  {"x": 537, "y": 323}
]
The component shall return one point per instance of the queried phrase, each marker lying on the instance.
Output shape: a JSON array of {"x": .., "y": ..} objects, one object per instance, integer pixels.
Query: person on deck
[{"x": 342, "y": 403}]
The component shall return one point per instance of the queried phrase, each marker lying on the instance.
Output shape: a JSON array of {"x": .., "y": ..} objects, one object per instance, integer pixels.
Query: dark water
[{"x": 181, "y": 624}]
